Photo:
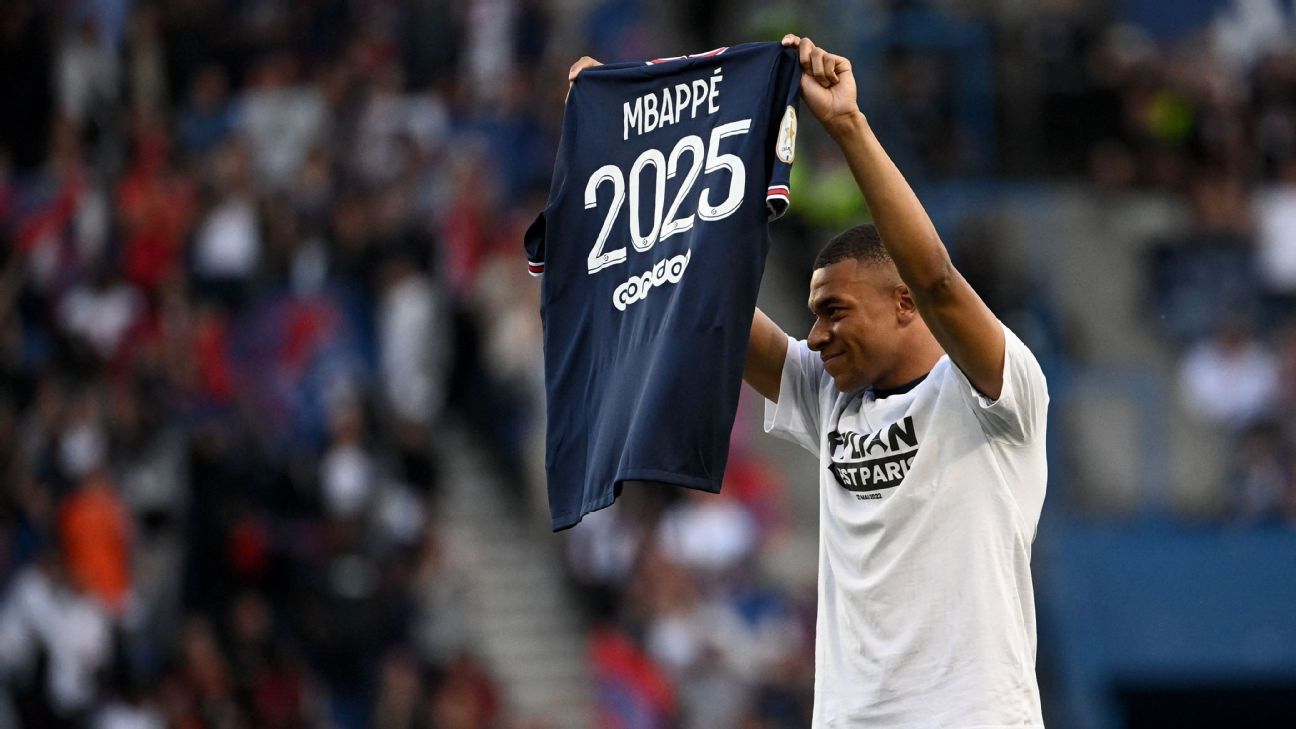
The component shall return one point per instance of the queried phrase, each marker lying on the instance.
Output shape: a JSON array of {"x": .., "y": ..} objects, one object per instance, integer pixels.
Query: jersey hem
[
  {"x": 675, "y": 479},
  {"x": 569, "y": 519}
]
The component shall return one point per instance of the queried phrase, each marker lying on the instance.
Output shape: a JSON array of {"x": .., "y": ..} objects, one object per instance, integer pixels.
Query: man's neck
[{"x": 919, "y": 359}]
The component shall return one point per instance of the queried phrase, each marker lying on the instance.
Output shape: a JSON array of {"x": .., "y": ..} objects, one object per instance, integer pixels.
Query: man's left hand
[{"x": 827, "y": 86}]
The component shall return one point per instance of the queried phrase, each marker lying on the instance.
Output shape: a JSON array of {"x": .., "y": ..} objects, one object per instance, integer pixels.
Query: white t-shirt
[{"x": 926, "y": 612}]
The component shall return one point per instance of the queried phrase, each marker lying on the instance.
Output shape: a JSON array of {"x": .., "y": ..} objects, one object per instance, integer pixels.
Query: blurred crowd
[
  {"x": 254, "y": 257},
  {"x": 1211, "y": 120},
  {"x": 692, "y": 629},
  {"x": 1204, "y": 118}
]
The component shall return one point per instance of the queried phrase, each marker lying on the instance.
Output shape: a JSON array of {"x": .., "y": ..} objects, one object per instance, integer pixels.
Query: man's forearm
[
  {"x": 902, "y": 223},
  {"x": 766, "y": 350}
]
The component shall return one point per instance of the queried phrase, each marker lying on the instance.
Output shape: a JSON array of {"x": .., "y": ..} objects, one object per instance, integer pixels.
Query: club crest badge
[{"x": 785, "y": 147}]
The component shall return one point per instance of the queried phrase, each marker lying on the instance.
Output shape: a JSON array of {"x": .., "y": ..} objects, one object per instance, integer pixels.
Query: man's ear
[{"x": 906, "y": 309}]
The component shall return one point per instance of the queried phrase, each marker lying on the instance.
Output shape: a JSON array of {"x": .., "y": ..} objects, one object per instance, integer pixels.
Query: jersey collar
[{"x": 879, "y": 393}]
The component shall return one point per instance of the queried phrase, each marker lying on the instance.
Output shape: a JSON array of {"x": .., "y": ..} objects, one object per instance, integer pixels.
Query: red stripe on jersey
[{"x": 708, "y": 54}]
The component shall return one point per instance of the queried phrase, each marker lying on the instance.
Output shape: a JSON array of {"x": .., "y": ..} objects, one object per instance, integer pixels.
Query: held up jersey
[
  {"x": 652, "y": 248},
  {"x": 928, "y": 504}
]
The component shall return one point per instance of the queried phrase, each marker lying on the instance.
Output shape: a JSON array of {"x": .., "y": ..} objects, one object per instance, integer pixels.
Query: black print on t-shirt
[{"x": 873, "y": 461}]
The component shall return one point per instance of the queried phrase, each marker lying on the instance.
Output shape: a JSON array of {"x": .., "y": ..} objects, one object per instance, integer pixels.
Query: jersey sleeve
[
  {"x": 795, "y": 416},
  {"x": 787, "y": 89},
  {"x": 1018, "y": 416},
  {"x": 534, "y": 241},
  {"x": 534, "y": 238}
]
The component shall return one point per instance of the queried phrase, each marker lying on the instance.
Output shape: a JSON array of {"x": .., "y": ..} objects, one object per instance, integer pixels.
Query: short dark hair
[{"x": 861, "y": 243}]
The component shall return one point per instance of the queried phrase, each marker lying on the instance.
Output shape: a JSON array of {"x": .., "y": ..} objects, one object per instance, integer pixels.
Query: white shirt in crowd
[
  {"x": 929, "y": 501},
  {"x": 228, "y": 244},
  {"x": 70, "y": 628},
  {"x": 1244, "y": 368},
  {"x": 1275, "y": 210}
]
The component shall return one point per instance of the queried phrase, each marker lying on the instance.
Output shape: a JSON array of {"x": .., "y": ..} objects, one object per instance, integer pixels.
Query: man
[{"x": 928, "y": 417}]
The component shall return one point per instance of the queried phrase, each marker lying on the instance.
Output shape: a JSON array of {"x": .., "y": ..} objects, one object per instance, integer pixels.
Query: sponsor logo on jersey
[
  {"x": 637, "y": 288},
  {"x": 785, "y": 146},
  {"x": 873, "y": 461}
]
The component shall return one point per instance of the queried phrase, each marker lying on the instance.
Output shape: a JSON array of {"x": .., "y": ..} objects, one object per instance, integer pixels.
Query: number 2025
[{"x": 665, "y": 168}]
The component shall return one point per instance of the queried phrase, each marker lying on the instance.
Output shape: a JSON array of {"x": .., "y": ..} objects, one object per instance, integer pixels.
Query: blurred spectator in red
[
  {"x": 632, "y": 692},
  {"x": 756, "y": 485},
  {"x": 155, "y": 207},
  {"x": 95, "y": 531},
  {"x": 43, "y": 216},
  {"x": 466, "y": 698},
  {"x": 402, "y": 701},
  {"x": 205, "y": 690}
]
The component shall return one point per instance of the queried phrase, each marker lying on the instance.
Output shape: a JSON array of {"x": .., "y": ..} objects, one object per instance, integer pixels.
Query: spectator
[
  {"x": 101, "y": 311},
  {"x": 88, "y": 72},
  {"x": 55, "y": 642},
  {"x": 347, "y": 472},
  {"x": 95, "y": 535},
  {"x": 1235, "y": 363},
  {"x": 415, "y": 355},
  {"x": 707, "y": 532},
  {"x": 1263, "y": 475},
  {"x": 282, "y": 118},
  {"x": 207, "y": 119},
  {"x": 1276, "y": 234},
  {"x": 227, "y": 247}
]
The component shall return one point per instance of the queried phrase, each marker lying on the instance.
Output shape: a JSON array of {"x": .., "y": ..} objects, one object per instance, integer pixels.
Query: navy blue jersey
[{"x": 652, "y": 248}]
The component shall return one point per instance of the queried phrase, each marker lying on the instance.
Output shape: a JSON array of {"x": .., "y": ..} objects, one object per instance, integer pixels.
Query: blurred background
[{"x": 271, "y": 397}]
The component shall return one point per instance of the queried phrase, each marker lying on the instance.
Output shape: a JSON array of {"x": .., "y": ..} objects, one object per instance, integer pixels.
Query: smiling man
[{"x": 928, "y": 418}]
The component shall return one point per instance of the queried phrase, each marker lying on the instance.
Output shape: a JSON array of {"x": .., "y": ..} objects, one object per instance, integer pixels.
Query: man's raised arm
[
  {"x": 962, "y": 323},
  {"x": 766, "y": 350}
]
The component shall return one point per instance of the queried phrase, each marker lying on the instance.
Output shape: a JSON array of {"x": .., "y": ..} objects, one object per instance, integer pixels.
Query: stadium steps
[
  {"x": 1095, "y": 242},
  {"x": 529, "y": 626}
]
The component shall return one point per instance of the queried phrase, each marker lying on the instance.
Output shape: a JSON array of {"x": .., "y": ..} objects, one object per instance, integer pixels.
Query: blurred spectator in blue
[
  {"x": 207, "y": 118},
  {"x": 1263, "y": 476}
]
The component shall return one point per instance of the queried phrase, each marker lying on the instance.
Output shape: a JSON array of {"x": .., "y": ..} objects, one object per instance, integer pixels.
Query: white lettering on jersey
[
  {"x": 665, "y": 166},
  {"x": 664, "y": 107},
  {"x": 637, "y": 288}
]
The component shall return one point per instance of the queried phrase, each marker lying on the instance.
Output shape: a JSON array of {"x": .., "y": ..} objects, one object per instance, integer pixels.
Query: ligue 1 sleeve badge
[{"x": 785, "y": 147}]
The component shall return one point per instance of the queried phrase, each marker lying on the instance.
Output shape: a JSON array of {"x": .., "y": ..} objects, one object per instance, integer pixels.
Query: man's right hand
[{"x": 584, "y": 63}]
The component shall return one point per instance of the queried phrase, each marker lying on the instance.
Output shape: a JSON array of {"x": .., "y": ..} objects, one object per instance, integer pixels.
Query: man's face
[{"x": 857, "y": 327}]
